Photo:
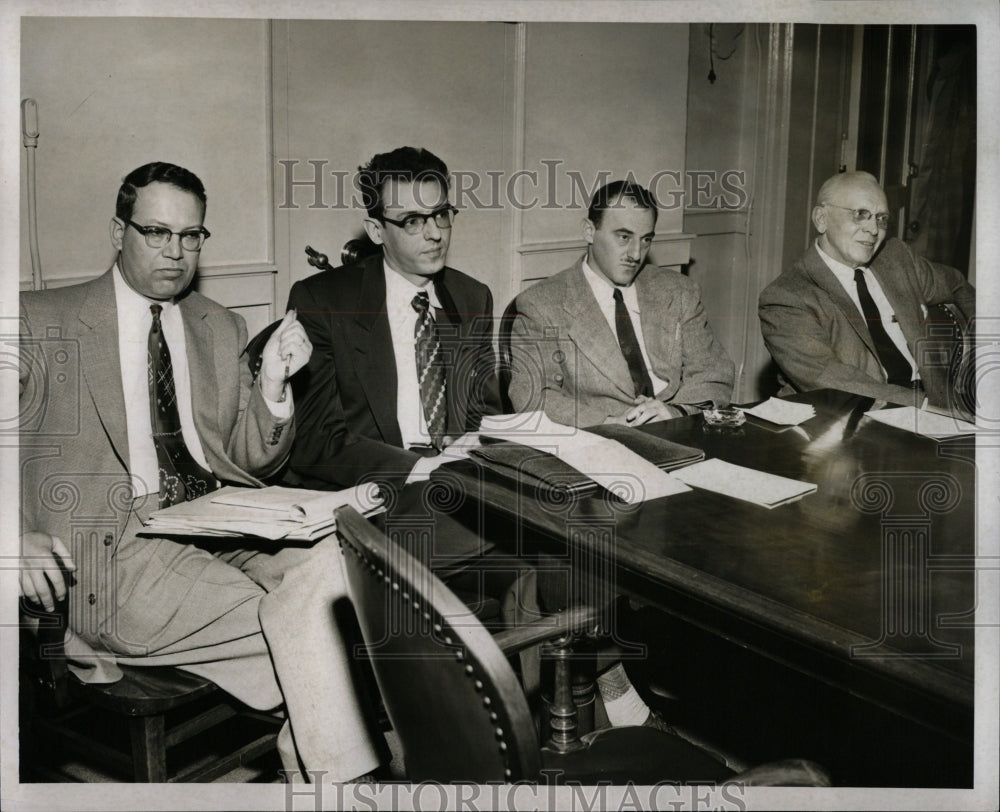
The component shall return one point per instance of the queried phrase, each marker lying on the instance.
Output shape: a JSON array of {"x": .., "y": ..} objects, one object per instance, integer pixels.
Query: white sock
[{"x": 621, "y": 701}]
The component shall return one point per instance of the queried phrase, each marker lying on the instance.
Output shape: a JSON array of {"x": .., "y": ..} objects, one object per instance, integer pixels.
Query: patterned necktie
[
  {"x": 630, "y": 348},
  {"x": 181, "y": 477},
  {"x": 897, "y": 369},
  {"x": 430, "y": 369}
]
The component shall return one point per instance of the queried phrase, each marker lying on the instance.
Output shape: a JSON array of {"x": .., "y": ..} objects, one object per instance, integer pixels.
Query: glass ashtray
[{"x": 728, "y": 416}]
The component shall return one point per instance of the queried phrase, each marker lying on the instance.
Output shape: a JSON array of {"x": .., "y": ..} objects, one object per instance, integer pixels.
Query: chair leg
[
  {"x": 562, "y": 708},
  {"x": 149, "y": 749}
]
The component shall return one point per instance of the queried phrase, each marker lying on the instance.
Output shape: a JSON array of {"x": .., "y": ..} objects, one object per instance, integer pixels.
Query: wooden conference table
[{"x": 868, "y": 584}]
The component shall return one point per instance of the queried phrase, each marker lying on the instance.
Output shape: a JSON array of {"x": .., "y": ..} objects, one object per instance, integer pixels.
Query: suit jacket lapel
[
  {"x": 373, "y": 351},
  {"x": 591, "y": 333},
  {"x": 822, "y": 276},
  {"x": 101, "y": 363},
  {"x": 203, "y": 369},
  {"x": 905, "y": 306},
  {"x": 453, "y": 330},
  {"x": 654, "y": 308}
]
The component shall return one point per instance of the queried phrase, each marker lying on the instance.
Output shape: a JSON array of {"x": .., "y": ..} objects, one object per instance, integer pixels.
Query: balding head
[
  {"x": 848, "y": 209},
  {"x": 840, "y": 183}
]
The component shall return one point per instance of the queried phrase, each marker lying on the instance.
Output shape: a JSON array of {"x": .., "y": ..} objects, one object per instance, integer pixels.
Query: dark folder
[{"x": 534, "y": 468}]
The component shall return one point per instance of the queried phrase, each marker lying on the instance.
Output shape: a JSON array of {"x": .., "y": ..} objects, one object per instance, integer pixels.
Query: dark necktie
[
  {"x": 897, "y": 369},
  {"x": 430, "y": 369},
  {"x": 181, "y": 477},
  {"x": 630, "y": 348}
]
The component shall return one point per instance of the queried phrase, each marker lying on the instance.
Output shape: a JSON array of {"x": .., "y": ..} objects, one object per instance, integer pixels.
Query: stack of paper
[
  {"x": 272, "y": 513},
  {"x": 925, "y": 423},
  {"x": 748, "y": 484},
  {"x": 607, "y": 462},
  {"x": 782, "y": 412}
]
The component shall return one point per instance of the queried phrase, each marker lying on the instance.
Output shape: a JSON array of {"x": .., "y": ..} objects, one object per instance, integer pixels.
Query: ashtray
[{"x": 728, "y": 416}]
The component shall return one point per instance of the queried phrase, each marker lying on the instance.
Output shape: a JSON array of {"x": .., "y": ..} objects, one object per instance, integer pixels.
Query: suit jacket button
[
  {"x": 92, "y": 599},
  {"x": 108, "y": 538},
  {"x": 558, "y": 379}
]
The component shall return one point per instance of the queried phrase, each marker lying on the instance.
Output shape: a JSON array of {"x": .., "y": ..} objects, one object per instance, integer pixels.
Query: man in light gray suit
[
  {"x": 610, "y": 340},
  {"x": 134, "y": 396},
  {"x": 850, "y": 313}
]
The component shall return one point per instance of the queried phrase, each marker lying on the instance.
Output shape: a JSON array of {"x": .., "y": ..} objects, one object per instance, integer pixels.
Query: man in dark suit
[
  {"x": 609, "y": 340},
  {"x": 404, "y": 364},
  {"x": 850, "y": 313},
  {"x": 134, "y": 396}
]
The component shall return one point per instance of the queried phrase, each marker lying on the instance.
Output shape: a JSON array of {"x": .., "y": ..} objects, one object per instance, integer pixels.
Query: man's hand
[
  {"x": 286, "y": 352},
  {"x": 43, "y": 559},
  {"x": 454, "y": 449},
  {"x": 646, "y": 410}
]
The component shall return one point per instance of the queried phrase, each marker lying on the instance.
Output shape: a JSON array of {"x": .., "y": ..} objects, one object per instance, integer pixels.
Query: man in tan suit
[
  {"x": 851, "y": 312},
  {"x": 610, "y": 340},
  {"x": 134, "y": 395}
]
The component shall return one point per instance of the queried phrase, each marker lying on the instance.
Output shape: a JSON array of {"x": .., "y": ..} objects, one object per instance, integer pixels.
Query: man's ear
[
  {"x": 374, "y": 230},
  {"x": 117, "y": 230},
  {"x": 588, "y": 230},
  {"x": 819, "y": 214}
]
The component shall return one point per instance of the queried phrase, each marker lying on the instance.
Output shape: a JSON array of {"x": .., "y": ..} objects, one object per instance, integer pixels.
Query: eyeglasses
[
  {"x": 860, "y": 216},
  {"x": 158, "y": 236},
  {"x": 414, "y": 223}
]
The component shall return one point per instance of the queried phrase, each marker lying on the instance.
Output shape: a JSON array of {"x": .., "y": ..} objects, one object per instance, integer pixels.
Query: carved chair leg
[{"x": 563, "y": 723}]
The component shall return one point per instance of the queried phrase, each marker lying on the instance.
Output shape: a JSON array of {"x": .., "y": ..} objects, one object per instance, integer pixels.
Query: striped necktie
[
  {"x": 430, "y": 369},
  {"x": 181, "y": 477}
]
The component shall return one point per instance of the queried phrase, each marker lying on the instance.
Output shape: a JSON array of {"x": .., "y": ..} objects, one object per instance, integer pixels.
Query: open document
[
  {"x": 272, "y": 513},
  {"x": 748, "y": 484},
  {"x": 923, "y": 422},
  {"x": 625, "y": 461}
]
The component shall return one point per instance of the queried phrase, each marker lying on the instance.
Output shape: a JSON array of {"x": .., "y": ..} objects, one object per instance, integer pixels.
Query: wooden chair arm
[{"x": 577, "y": 620}]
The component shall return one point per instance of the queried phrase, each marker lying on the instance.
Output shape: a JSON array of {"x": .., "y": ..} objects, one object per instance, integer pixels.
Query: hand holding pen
[{"x": 286, "y": 352}]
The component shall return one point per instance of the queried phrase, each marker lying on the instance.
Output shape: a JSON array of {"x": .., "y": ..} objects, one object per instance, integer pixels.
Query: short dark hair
[
  {"x": 156, "y": 172},
  {"x": 609, "y": 194},
  {"x": 411, "y": 164}
]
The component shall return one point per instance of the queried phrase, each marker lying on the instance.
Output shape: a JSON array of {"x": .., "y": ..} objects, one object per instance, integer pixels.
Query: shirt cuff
[{"x": 279, "y": 409}]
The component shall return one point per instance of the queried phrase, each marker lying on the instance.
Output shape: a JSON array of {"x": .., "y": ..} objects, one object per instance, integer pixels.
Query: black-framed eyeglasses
[
  {"x": 157, "y": 236},
  {"x": 860, "y": 216},
  {"x": 414, "y": 223}
]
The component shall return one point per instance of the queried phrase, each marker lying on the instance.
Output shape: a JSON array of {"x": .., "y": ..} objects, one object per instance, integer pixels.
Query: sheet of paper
[
  {"x": 782, "y": 412},
  {"x": 299, "y": 504},
  {"x": 925, "y": 423},
  {"x": 748, "y": 484},
  {"x": 610, "y": 464},
  {"x": 271, "y": 513}
]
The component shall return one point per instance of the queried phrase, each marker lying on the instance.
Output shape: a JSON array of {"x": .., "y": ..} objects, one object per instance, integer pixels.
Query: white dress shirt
[
  {"x": 604, "y": 292},
  {"x": 845, "y": 275},
  {"x": 399, "y": 293},
  {"x": 134, "y": 321}
]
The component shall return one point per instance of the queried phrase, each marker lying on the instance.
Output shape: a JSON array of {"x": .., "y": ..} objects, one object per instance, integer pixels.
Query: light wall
[
  {"x": 115, "y": 93},
  {"x": 512, "y": 109},
  {"x": 234, "y": 99}
]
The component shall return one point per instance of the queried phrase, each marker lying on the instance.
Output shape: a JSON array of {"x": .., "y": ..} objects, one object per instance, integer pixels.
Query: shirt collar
[
  {"x": 401, "y": 290},
  {"x": 840, "y": 270},
  {"x": 604, "y": 289},
  {"x": 129, "y": 299}
]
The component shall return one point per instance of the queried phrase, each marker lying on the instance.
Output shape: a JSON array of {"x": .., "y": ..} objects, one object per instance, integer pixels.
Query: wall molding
[
  {"x": 703, "y": 223},
  {"x": 542, "y": 259},
  {"x": 558, "y": 246},
  {"x": 237, "y": 270}
]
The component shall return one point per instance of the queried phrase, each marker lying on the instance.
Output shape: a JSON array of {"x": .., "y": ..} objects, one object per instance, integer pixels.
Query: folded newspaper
[{"x": 272, "y": 513}]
